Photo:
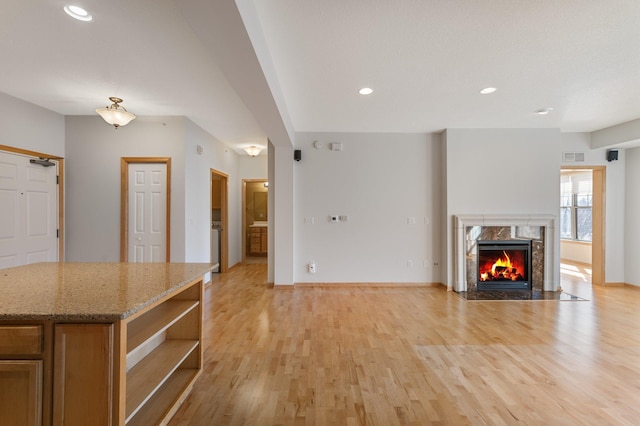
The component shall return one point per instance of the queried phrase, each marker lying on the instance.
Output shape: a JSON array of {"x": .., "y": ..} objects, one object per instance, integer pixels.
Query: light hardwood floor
[{"x": 414, "y": 356}]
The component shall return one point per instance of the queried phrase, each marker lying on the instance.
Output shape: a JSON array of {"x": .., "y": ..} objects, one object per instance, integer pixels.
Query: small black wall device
[
  {"x": 297, "y": 154},
  {"x": 612, "y": 155}
]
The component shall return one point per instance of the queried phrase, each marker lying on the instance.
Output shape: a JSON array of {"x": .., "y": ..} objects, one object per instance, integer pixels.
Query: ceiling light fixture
[
  {"x": 78, "y": 13},
  {"x": 115, "y": 114},
  {"x": 544, "y": 111},
  {"x": 252, "y": 150},
  {"x": 488, "y": 90},
  {"x": 365, "y": 91}
]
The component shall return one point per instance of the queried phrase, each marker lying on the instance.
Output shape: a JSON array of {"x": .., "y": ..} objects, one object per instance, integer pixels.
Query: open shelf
[
  {"x": 145, "y": 327},
  {"x": 163, "y": 356},
  {"x": 147, "y": 377},
  {"x": 159, "y": 406}
]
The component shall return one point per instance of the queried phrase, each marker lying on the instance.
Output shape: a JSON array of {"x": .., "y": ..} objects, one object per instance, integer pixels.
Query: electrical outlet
[
  {"x": 411, "y": 220},
  {"x": 308, "y": 220},
  {"x": 436, "y": 263}
]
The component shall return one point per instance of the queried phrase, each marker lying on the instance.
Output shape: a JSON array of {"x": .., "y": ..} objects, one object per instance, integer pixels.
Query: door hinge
[
  {"x": 57, "y": 233},
  {"x": 57, "y": 179}
]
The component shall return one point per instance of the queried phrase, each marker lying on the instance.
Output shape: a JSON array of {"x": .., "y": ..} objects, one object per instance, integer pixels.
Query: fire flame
[
  {"x": 506, "y": 263},
  {"x": 502, "y": 269}
]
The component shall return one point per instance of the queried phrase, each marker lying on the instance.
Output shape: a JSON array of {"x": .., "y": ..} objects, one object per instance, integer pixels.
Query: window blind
[{"x": 576, "y": 183}]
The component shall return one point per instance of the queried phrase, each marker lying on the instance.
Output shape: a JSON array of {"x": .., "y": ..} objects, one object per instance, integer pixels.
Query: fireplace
[
  {"x": 540, "y": 229},
  {"x": 504, "y": 264}
]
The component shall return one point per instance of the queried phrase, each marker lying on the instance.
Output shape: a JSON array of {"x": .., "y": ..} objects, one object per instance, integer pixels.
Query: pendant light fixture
[
  {"x": 253, "y": 150},
  {"x": 115, "y": 114}
]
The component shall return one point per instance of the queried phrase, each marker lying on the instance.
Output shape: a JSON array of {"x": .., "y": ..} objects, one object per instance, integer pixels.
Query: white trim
[{"x": 551, "y": 244}]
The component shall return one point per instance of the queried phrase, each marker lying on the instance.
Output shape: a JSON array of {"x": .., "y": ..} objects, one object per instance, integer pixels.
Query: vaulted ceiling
[{"x": 253, "y": 69}]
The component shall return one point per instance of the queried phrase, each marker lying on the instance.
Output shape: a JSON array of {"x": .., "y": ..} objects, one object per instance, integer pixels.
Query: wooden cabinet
[
  {"x": 216, "y": 194},
  {"x": 21, "y": 374},
  {"x": 83, "y": 374},
  {"x": 258, "y": 240},
  {"x": 21, "y": 392},
  {"x": 21, "y": 339},
  {"x": 97, "y": 344},
  {"x": 131, "y": 371},
  {"x": 163, "y": 357},
  {"x": 135, "y": 371}
]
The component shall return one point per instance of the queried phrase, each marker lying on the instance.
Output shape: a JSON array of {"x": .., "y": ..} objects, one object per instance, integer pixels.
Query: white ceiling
[{"x": 425, "y": 59}]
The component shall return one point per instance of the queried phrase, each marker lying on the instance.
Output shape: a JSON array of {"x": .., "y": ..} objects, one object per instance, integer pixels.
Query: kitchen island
[{"x": 99, "y": 343}]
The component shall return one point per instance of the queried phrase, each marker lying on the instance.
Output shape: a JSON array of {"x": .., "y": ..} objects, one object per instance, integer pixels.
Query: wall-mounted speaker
[
  {"x": 297, "y": 154},
  {"x": 612, "y": 155}
]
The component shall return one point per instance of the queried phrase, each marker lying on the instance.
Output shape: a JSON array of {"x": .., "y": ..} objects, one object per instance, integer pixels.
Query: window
[{"x": 576, "y": 200}]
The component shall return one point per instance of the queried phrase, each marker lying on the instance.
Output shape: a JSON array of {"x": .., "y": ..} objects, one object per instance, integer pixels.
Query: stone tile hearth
[{"x": 519, "y": 295}]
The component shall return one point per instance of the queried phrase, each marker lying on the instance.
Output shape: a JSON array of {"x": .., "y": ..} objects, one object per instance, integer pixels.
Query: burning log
[{"x": 501, "y": 270}]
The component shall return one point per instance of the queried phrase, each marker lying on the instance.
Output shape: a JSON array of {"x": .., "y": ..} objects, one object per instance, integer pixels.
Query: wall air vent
[{"x": 573, "y": 157}]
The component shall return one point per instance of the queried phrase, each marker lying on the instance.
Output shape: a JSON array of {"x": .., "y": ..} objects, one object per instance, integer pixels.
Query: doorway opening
[
  {"x": 219, "y": 220},
  {"x": 255, "y": 218},
  {"x": 582, "y": 227}
]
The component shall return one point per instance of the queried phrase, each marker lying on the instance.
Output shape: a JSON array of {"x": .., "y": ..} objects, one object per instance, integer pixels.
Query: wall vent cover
[{"x": 573, "y": 157}]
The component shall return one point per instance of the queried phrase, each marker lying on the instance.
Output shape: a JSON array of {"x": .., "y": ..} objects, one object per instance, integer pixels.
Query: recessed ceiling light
[
  {"x": 544, "y": 111},
  {"x": 78, "y": 13},
  {"x": 365, "y": 91},
  {"x": 488, "y": 90}
]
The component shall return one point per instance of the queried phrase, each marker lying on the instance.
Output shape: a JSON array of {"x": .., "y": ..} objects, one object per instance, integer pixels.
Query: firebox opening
[{"x": 504, "y": 265}]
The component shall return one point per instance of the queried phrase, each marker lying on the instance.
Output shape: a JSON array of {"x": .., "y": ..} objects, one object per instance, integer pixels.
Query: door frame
[
  {"x": 598, "y": 224},
  {"x": 124, "y": 202},
  {"x": 60, "y": 161},
  {"x": 224, "y": 216},
  {"x": 245, "y": 226}
]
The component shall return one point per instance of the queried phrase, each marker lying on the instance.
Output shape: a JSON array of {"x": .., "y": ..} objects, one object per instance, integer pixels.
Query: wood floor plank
[{"x": 358, "y": 355}]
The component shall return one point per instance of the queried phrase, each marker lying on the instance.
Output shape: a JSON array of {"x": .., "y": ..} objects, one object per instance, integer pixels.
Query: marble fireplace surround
[{"x": 551, "y": 273}]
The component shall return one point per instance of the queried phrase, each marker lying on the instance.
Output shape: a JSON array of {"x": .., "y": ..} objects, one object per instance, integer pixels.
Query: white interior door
[
  {"x": 28, "y": 211},
  {"x": 147, "y": 212}
]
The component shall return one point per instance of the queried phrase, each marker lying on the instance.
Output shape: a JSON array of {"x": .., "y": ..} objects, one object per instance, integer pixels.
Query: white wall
[
  {"x": 197, "y": 192},
  {"x": 31, "y": 127},
  {"x": 92, "y": 208},
  {"x": 575, "y": 251},
  {"x": 253, "y": 167},
  {"x": 378, "y": 181},
  {"x": 501, "y": 171},
  {"x": 94, "y": 150},
  {"x": 282, "y": 217},
  {"x": 631, "y": 224},
  {"x": 614, "y": 203}
]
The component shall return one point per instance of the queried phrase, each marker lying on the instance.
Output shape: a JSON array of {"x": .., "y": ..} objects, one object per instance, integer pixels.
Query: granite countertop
[{"x": 89, "y": 291}]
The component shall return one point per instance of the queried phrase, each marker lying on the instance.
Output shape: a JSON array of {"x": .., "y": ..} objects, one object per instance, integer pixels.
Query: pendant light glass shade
[
  {"x": 253, "y": 150},
  {"x": 115, "y": 114}
]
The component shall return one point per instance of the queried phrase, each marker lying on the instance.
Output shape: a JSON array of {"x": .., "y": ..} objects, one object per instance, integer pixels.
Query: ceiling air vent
[{"x": 573, "y": 157}]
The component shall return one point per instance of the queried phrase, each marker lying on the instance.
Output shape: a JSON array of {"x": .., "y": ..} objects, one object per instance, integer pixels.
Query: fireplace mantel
[{"x": 551, "y": 244}]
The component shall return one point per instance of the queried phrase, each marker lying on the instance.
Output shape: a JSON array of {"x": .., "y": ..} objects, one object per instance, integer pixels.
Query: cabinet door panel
[
  {"x": 264, "y": 242},
  {"x": 20, "y": 393},
  {"x": 83, "y": 374}
]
